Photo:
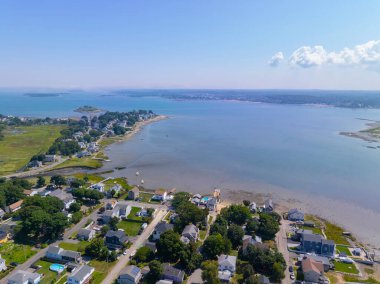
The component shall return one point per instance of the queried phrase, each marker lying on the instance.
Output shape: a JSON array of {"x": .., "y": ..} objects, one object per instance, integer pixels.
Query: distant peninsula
[
  {"x": 42, "y": 95},
  {"x": 87, "y": 109}
]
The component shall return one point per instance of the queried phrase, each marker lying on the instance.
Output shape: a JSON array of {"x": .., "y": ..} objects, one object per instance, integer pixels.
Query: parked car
[
  {"x": 290, "y": 268},
  {"x": 292, "y": 276}
]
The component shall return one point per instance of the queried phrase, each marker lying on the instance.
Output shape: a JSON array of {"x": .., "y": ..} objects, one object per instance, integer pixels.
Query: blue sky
[{"x": 190, "y": 44}]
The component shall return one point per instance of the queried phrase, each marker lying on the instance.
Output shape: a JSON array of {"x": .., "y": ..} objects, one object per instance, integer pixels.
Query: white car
[{"x": 125, "y": 252}]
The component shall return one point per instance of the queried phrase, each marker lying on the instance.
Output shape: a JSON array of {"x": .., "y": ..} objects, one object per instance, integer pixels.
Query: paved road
[
  {"x": 42, "y": 252},
  {"x": 282, "y": 244},
  {"x": 124, "y": 259}
]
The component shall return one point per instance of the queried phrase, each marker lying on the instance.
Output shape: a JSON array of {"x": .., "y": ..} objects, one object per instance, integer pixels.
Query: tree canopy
[{"x": 237, "y": 214}]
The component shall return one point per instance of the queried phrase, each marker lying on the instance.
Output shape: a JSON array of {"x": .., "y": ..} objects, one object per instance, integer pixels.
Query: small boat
[
  {"x": 142, "y": 181},
  {"x": 137, "y": 173}
]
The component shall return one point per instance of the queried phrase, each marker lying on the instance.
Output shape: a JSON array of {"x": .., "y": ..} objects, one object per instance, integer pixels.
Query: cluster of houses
[
  {"x": 46, "y": 160},
  {"x": 209, "y": 202},
  {"x": 87, "y": 149}
]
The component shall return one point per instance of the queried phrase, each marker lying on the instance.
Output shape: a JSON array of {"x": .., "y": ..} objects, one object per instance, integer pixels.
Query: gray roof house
[
  {"x": 253, "y": 207},
  {"x": 115, "y": 239},
  {"x": 190, "y": 234},
  {"x": 268, "y": 205},
  {"x": 164, "y": 282},
  {"x": 161, "y": 228},
  {"x": 24, "y": 277},
  {"x": 315, "y": 243},
  {"x": 296, "y": 215},
  {"x": 58, "y": 254},
  {"x": 81, "y": 275},
  {"x": 134, "y": 193},
  {"x": 121, "y": 210},
  {"x": 172, "y": 273},
  {"x": 130, "y": 275},
  {"x": 2, "y": 264},
  {"x": 227, "y": 262},
  {"x": 66, "y": 198},
  {"x": 211, "y": 204},
  {"x": 86, "y": 234}
]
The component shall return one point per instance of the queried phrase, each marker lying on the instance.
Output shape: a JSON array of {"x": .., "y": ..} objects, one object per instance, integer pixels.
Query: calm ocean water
[{"x": 233, "y": 145}]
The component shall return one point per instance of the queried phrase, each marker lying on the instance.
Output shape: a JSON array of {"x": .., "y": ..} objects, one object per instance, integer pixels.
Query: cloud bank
[{"x": 365, "y": 55}]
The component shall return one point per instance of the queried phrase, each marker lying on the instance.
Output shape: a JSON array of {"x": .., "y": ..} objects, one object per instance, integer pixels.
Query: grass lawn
[
  {"x": 346, "y": 267},
  {"x": 132, "y": 215},
  {"x": 335, "y": 233},
  {"x": 122, "y": 181},
  {"x": 12, "y": 252},
  {"x": 49, "y": 275},
  {"x": 21, "y": 143},
  {"x": 80, "y": 247},
  {"x": 80, "y": 162},
  {"x": 349, "y": 278},
  {"x": 344, "y": 249},
  {"x": 101, "y": 270},
  {"x": 131, "y": 228},
  {"x": 315, "y": 230},
  {"x": 63, "y": 280},
  {"x": 91, "y": 178},
  {"x": 147, "y": 197},
  {"x": 202, "y": 234}
]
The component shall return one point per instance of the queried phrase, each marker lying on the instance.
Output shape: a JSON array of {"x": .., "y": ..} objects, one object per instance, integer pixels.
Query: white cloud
[
  {"x": 365, "y": 55},
  {"x": 276, "y": 59}
]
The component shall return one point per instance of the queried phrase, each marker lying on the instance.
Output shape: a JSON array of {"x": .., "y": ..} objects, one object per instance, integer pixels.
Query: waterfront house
[
  {"x": 121, "y": 210},
  {"x": 130, "y": 275},
  {"x": 56, "y": 253},
  {"x": 116, "y": 188},
  {"x": 315, "y": 243},
  {"x": 296, "y": 215},
  {"x": 253, "y": 207},
  {"x": 115, "y": 239},
  {"x": 86, "y": 234},
  {"x": 14, "y": 207},
  {"x": 98, "y": 186},
  {"x": 227, "y": 262},
  {"x": 268, "y": 206},
  {"x": 111, "y": 204},
  {"x": 160, "y": 195},
  {"x": 322, "y": 259},
  {"x": 190, "y": 234},
  {"x": 211, "y": 204},
  {"x": 24, "y": 277},
  {"x": 312, "y": 270},
  {"x": 134, "y": 193},
  {"x": 81, "y": 275},
  {"x": 171, "y": 273},
  {"x": 161, "y": 228},
  {"x": 3, "y": 266}
]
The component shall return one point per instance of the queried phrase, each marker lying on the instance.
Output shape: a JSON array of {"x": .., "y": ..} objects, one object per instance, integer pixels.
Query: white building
[{"x": 81, "y": 275}]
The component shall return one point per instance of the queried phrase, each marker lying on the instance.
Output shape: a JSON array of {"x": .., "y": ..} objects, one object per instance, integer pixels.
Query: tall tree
[{"x": 210, "y": 272}]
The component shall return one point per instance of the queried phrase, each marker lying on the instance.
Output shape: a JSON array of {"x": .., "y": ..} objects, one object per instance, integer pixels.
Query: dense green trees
[
  {"x": 235, "y": 234},
  {"x": 97, "y": 249},
  {"x": 219, "y": 226},
  {"x": 41, "y": 181},
  {"x": 215, "y": 245},
  {"x": 74, "y": 207},
  {"x": 180, "y": 198},
  {"x": 64, "y": 147},
  {"x": 210, "y": 272},
  {"x": 237, "y": 214},
  {"x": 170, "y": 247},
  {"x": 12, "y": 191},
  {"x": 268, "y": 226},
  {"x": 144, "y": 254},
  {"x": 87, "y": 194},
  {"x": 155, "y": 271},
  {"x": 58, "y": 180}
]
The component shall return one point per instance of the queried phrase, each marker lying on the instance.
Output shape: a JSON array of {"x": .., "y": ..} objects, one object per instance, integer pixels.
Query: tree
[
  {"x": 278, "y": 272},
  {"x": 237, "y": 214},
  {"x": 76, "y": 217},
  {"x": 189, "y": 213},
  {"x": 252, "y": 279},
  {"x": 246, "y": 202},
  {"x": 58, "y": 180},
  {"x": 41, "y": 181},
  {"x": 74, "y": 207},
  {"x": 235, "y": 234},
  {"x": 214, "y": 245},
  {"x": 180, "y": 198},
  {"x": 144, "y": 254},
  {"x": 210, "y": 272},
  {"x": 104, "y": 230},
  {"x": 252, "y": 226},
  {"x": 219, "y": 226},
  {"x": 113, "y": 223},
  {"x": 247, "y": 270},
  {"x": 155, "y": 270},
  {"x": 97, "y": 249},
  {"x": 170, "y": 247},
  {"x": 268, "y": 226}
]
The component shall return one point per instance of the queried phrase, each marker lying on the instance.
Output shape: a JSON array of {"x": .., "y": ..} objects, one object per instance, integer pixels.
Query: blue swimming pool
[
  {"x": 205, "y": 199},
  {"x": 57, "y": 267}
]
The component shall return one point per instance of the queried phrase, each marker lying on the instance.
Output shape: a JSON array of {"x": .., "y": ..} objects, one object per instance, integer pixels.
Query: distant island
[
  {"x": 42, "y": 95},
  {"x": 370, "y": 134},
  {"x": 87, "y": 109}
]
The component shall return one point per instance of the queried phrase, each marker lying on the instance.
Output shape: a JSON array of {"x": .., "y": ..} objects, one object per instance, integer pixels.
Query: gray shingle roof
[
  {"x": 81, "y": 272},
  {"x": 163, "y": 227}
]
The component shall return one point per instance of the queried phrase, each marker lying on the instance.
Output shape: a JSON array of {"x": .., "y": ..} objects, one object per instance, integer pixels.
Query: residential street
[
  {"x": 124, "y": 259},
  {"x": 42, "y": 252},
  {"x": 282, "y": 245}
]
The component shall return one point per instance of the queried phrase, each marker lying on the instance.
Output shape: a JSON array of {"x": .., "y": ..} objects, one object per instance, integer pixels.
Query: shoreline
[{"x": 366, "y": 134}]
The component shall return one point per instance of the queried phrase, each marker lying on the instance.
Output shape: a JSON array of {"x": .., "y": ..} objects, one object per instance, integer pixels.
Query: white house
[
  {"x": 161, "y": 228},
  {"x": 98, "y": 186},
  {"x": 2, "y": 264},
  {"x": 81, "y": 275},
  {"x": 160, "y": 194},
  {"x": 130, "y": 275},
  {"x": 227, "y": 262},
  {"x": 24, "y": 277}
]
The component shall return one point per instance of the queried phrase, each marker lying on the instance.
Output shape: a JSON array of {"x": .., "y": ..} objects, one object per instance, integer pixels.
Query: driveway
[{"x": 123, "y": 261}]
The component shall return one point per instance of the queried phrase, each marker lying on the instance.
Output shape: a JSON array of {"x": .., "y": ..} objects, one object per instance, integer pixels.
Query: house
[
  {"x": 309, "y": 224},
  {"x": 263, "y": 279},
  {"x": 28, "y": 192},
  {"x": 268, "y": 205},
  {"x": 116, "y": 188},
  {"x": 253, "y": 207},
  {"x": 227, "y": 262},
  {"x": 160, "y": 195},
  {"x": 130, "y": 275},
  {"x": 134, "y": 193},
  {"x": 315, "y": 243},
  {"x": 190, "y": 234},
  {"x": 171, "y": 273},
  {"x": 225, "y": 276},
  {"x": 2, "y": 264},
  {"x": 111, "y": 204},
  {"x": 34, "y": 164},
  {"x": 56, "y": 253},
  {"x": 115, "y": 239},
  {"x": 4, "y": 237},
  {"x": 2, "y": 213},
  {"x": 85, "y": 234},
  {"x": 296, "y": 215},
  {"x": 196, "y": 200},
  {"x": 81, "y": 275},
  {"x": 151, "y": 245},
  {"x": 24, "y": 277},
  {"x": 14, "y": 207},
  {"x": 322, "y": 259},
  {"x": 66, "y": 198},
  {"x": 160, "y": 228},
  {"x": 121, "y": 210},
  {"x": 249, "y": 240},
  {"x": 211, "y": 204},
  {"x": 216, "y": 194},
  {"x": 98, "y": 186},
  {"x": 357, "y": 251},
  {"x": 312, "y": 270},
  {"x": 50, "y": 158}
]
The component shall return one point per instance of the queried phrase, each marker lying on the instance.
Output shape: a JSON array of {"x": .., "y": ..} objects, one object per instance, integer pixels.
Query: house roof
[
  {"x": 84, "y": 232},
  {"x": 190, "y": 229},
  {"x": 160, "y": 191},
  {"x": 171, "y": 271},
  {"x": 118, "y": 234},
  {"x": 22, "y": 276},
  {"x": 131, "y": 270},
  {"x": 16, "y": 204},
  {"x": 60, "y": 194},
  {"x": 227, "y": 260},
  {"x": 263, "y": 279},
  {"x": 54, "y": 250},
  {"x": 163, "y": 227},
  {"x": 135, "y": 189},
  {"x": 70, "y": 253},
  {"x": 28, "y": 191},
  {"x": 81, "y": 272},
  {"x": 312, "y": 237},
  {"x": 309, "y": 264},
  {"x": 324, "y": 260},
  {"x": 268, "y": 203}
]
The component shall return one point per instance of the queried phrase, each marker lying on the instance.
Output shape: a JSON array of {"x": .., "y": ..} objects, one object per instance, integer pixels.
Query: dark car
[
  {"x": 290, "y": 268},
  {"x": 14, "y": 263}
]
